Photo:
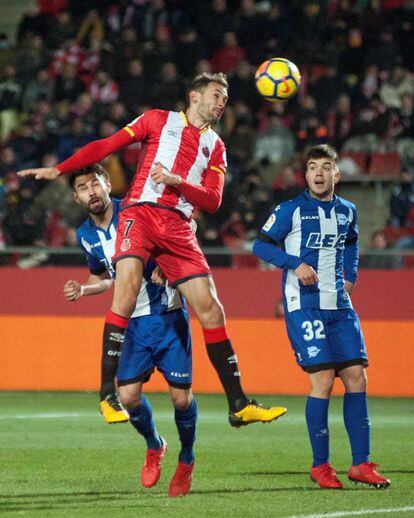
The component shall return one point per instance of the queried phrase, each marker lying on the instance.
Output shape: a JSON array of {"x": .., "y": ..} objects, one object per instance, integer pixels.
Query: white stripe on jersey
[
  {"x": 208, "y": 141},
  {"x": 328, "y": 294},
  {"x": 292, "y": 246},
  {"x": 166, "y": 154},
  {"x": 108, "y": 246}
]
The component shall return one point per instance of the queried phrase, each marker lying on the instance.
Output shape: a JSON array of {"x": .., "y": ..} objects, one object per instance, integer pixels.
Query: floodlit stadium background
[{"x": 74, "y": 71}]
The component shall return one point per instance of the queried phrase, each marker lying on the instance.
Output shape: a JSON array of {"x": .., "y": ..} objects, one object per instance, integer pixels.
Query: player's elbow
[
  {"x": 212, "y": 205},
  {"x": 258, "y": 248}
]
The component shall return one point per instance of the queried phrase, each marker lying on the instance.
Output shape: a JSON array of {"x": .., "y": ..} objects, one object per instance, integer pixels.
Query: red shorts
[{"x": 146, "y": 231}]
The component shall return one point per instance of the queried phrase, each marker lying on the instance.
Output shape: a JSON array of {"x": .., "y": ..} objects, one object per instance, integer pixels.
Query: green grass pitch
[{"x": 58, "y": 458}]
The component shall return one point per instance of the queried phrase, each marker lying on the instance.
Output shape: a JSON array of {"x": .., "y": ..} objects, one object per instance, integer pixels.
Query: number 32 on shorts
[{"x": 313, "y": 330}]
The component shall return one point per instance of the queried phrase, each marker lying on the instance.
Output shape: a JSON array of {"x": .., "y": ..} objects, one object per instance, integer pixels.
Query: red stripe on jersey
[{"x": 155, "y": 119}]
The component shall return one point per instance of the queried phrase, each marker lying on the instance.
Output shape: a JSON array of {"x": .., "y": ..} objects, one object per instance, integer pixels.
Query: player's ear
[
  {"x": 337, "y": 176},
  {"x": 194, "y": 96}
]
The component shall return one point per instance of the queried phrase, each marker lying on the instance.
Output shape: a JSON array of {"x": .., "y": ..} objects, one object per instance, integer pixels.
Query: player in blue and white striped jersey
[
  {"x": 158, "y": 335},
  {"x": 314, "y": 239}
]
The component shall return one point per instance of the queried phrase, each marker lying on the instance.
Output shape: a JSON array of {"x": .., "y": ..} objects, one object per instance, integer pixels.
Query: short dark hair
[
  {"x": 96, "y": 168},
  {"x": 322, "y": 151},
  {"x": 201, "y": 81}
]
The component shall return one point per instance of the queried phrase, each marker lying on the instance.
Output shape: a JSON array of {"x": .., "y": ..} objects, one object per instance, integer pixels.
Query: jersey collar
[
  {"x": 318, "y": 202},
  {"x": 189, "y": 125}
]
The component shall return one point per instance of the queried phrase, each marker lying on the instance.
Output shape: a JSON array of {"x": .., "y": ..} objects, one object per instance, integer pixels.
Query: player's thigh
[
  {"x": 134, "y": 235},
  {"x": 179, "y": 255},
  {"x": 173, "y": 353},
  {"x": 347, "y": 342},
  {"x": 307, "y": 333},
  {"x": 136, "y": 362},
  {"x": 201, "y": 294}
]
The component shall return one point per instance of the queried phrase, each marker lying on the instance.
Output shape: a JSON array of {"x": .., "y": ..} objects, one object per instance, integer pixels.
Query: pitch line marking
[{"x": 362, "y": 512}]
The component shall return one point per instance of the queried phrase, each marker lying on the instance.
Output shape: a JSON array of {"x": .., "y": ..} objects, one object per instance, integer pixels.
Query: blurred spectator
[
  {"x": 275, "y": 144},
  {"x": 26, "y": 147},
  {"x": 75, "y": 138},
  {"x": 398, "y": 84},
  {"x": 242, "y": 87},
  {"x": 168, "y": 89},
  {"x": 10, "y": 98},
  {"x": 216, "y": 23},
  {"x": 379, "y": 244},
  {"x": 133, "y": 88},
  {"x": 210, "y": 238},
  {"x": 226, "y": 58},
  {"x": 402, "y": 200},
  {"x": 31, "y": 57},
  {"x": 288, "y": 184},
  {"x": 40, "y": 87},
  {"x": 91, "y": 27},
  {"x": 103, "y": 89},
  {"x": 188, "y": 51},
  {"x": 249, "y": 28},
  {"x": 340, "y": 121},
  {"x": 68, "y": 86},
  {"x": 62, "y": 30}
]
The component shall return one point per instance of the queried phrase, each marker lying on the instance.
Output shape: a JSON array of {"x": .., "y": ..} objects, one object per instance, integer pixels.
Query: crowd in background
[{"x": 81, "y": 69}]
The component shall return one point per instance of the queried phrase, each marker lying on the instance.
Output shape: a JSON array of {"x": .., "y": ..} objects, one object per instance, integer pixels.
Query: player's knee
[
  {"x": 129, "y": 399},
  {"x": 322, "y": 386},
  {"x": 212, "y": 314},
  {"x": 181, "y": 399}
]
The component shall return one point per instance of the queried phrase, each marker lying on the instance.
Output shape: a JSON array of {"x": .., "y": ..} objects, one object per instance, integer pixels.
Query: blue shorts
[
  {"x": 162, "y": 341},
  {"x": 326, "y": 339}
]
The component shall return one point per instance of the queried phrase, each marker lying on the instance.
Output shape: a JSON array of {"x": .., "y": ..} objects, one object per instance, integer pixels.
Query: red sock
[{"x": 116, "y": 320}]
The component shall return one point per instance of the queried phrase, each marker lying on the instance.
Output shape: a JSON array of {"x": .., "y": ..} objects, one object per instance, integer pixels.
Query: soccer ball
[{"x": 277, "y": 79}]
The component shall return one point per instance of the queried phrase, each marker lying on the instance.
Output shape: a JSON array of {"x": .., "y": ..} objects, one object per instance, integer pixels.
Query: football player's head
[
  {"x": 208, "y": 95},
  {"x": 91, "y": 188},
  {"x": 322, "y": 171}
]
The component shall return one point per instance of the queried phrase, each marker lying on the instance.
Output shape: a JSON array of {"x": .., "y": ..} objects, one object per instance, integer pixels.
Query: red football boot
[
  {"x": 181, "y": 482},
  {"x": 151, "y": 470},
  {"x": 367, "y": 474},
  {"x": 325, "y": 476}
]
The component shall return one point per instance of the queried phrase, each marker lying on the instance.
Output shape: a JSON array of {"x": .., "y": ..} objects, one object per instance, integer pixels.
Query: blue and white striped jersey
[
  {"x": 98, "y": 246},
  {"x": 323, "y": 235}
]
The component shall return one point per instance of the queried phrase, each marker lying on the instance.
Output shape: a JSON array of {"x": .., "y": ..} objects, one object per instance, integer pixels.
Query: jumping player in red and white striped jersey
[{"x": 182, "y": 165}]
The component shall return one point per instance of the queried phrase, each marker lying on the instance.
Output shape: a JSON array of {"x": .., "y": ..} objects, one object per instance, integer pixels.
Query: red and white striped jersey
[{"x": 169, "y": 139}]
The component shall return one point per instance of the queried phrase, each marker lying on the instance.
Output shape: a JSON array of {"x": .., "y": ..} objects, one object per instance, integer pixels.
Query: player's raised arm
[{"x": 90, "y": 154}]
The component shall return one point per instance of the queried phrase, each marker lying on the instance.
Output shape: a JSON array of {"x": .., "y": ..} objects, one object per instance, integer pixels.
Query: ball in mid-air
[{"x": 277, "y": 79}]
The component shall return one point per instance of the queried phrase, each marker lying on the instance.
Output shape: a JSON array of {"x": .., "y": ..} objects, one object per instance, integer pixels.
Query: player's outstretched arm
[{"x": 40, "y": 173}]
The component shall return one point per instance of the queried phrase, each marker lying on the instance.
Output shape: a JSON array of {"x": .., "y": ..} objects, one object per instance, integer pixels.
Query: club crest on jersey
[
  {"x": 342, "y": 219},
  {"x": 206, "y": 152},
  {"x": 270, "y": 222},
  {"x": 125, "y": 245}
]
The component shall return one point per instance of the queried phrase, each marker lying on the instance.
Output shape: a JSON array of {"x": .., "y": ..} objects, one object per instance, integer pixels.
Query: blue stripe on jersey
[
  {"x": 98, "y": 245},
  {"x": 317, "y": 233}
]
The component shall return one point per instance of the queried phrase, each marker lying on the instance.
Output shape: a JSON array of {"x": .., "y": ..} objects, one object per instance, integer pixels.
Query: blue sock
[
  {"x": 186, "y": 421},
  {"x": 357, "y": 425},
  {"x": 317, "y": 421},
  {"x": 141, "y": 420}
]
